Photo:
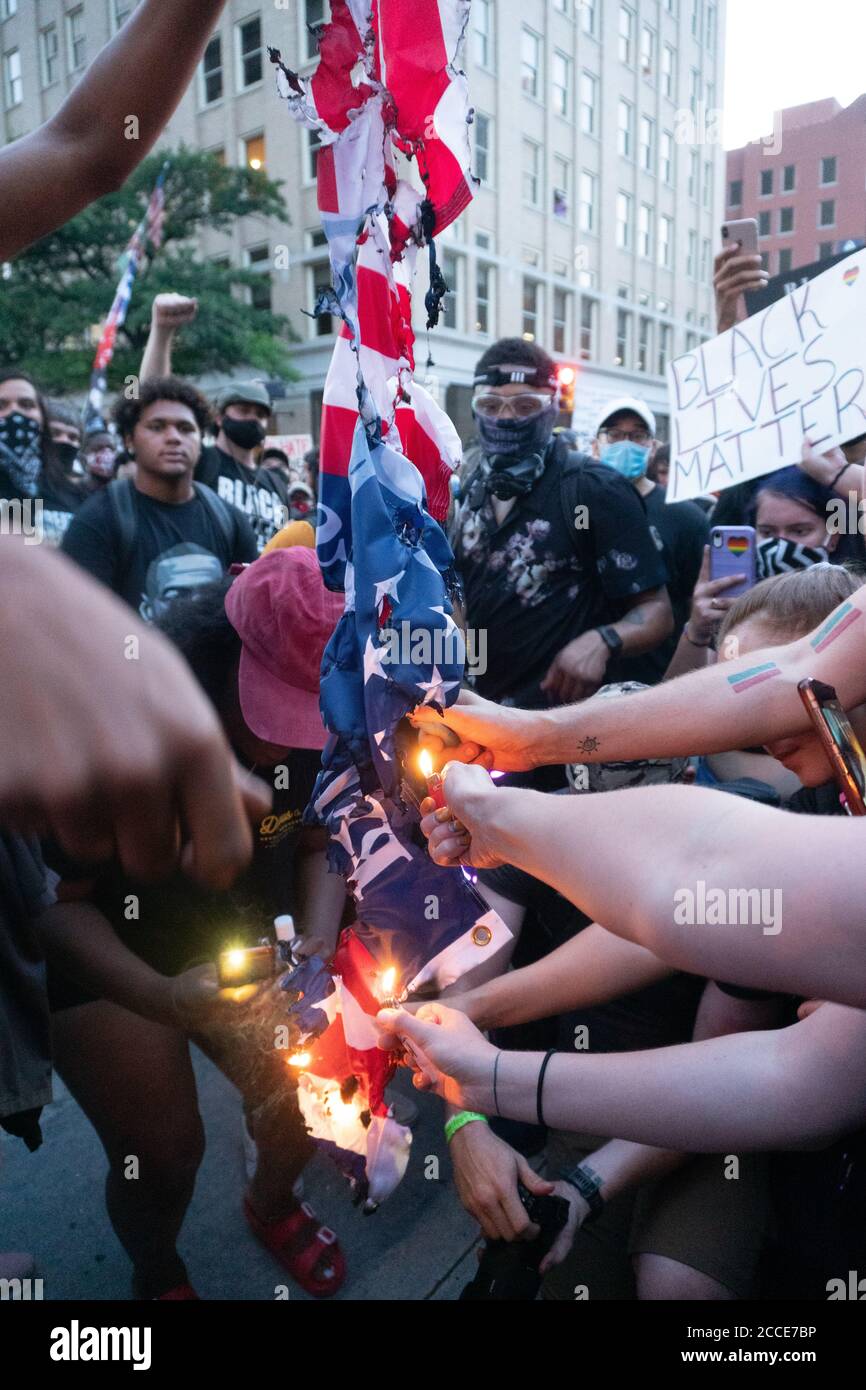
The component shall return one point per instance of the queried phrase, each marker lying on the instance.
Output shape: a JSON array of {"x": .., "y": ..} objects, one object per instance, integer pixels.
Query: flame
[
  {"x": 425, "y": 762},
  {"x": 235, "y": 959},
  {"x": 387, "y": 981},
  {"x": 300, "y": 1059}
]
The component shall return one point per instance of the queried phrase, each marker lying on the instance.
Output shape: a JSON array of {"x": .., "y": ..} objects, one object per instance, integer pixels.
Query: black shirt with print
[
  {"x": 568, "y": 557},
  {"x": 257, "y": 492},
  {"x": 184, "y": 537}
]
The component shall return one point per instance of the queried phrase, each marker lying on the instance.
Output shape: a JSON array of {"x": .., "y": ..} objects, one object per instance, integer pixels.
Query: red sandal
[
  {"x": 184, "y": 1293},
  {"x": 308, "y": 1251}
]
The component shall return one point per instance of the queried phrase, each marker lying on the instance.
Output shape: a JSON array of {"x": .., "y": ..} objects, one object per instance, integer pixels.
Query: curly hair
[{"x": 127, "y": 413}]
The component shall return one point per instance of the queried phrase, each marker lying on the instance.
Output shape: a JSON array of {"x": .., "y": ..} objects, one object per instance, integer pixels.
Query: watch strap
[{"x": 588, "y": 1184}]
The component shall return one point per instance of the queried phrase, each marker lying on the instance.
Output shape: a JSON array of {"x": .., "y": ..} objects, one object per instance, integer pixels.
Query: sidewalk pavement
[{"x": 419, "y": 1245}]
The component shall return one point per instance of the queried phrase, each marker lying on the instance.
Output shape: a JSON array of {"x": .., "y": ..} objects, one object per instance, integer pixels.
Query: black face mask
[
  {"x": 20, "y": 450},
  {"x": 67, "y": 453},
  {"x": 247, "y": 434}
]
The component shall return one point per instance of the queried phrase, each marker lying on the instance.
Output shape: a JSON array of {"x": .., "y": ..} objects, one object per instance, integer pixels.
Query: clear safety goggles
[{"x": 523, "y": 406}]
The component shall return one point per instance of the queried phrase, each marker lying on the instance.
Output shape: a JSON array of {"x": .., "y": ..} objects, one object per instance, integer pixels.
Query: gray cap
[{"x": 245, "y": 392}]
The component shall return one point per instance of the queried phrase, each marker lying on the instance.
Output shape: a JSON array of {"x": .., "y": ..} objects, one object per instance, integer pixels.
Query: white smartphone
[{"x": 742, "y": 233}]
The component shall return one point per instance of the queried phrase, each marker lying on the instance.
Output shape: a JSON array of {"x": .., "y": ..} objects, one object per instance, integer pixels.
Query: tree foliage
[{"x": 57, "y": 291}]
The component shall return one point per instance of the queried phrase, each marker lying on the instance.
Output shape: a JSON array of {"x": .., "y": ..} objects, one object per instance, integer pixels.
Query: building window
[
  {"x": 314, "y": 21},
  {"x": 825, "y": 250},
  {"x": 312, "y": 147},
  {"x": 645, "y": 231},
  {"x": 531, "y": 173},
  {"x": 530, "y": 64},
  {"x": 786, "y": 260},
  {"x": 647, "y": 51},
  {"x": 322, "y": 326},
  {"x": 624, "y": 221},
  {"x": 766, "y": 183},
  {"x": 49, "y": 55},
  {"x": 12, "y": 81},
  {"x": 694, "y": 174},
  {"x": 121, "y": 10},
  {"x": 707, "y": 184},
  {"x": 710, "y": 29},
  {"x": 10, "y": 7},
  {"x": 453, "y": 299},
  {"x": 531, "y": 301},
  {"x": 647, "y": 144},
  {"x": 254, "y": 151},
  {"x": 735, "y": 193},
  {"x": 212, "y": 71},
  {"x": 666, "y": 158},
  {"x": 258, "y": 259},
  {"x": 482, "y": 13},
  {"x": 789, "y": 178},
  {"x": 561, "y": 84},
  {"x": 623, "y": 338},
  {"x": 561, "y": 313},
  {"x": 589, "y": 16},
  {"x": 588, "y": 103},
  {"x": 694, "y": 90},
  {"x": 644, "y": 344},
  {"x": 626, "y": 34},
  {"x": 765, "y": 260},
  {"x": 625, "y": 132},
  {"x": 665, "y": 240},
  {"x": 669, "y": 70},
  {"x": 250, "y": 52},
  {"x": 706, "y": 256},
  {"x": 786, "y": 219},
  {"x": 588, "y": 196},
  {"x": 696, "y": 18},
  {"x": 664, "y": 347},
  {"x": 828, "y": 169},
  {"x": 763, "y": 224},
  {"x": 483, "y": 298},
  {"x": 483, "y": 160},
  {"x": 588, "y": 315},
  {"x": 561, "y": 187},
  {"x": 827, "y": 212},
  {"x": 692, "y": 255},
  {"x": 76, "y": 40}
]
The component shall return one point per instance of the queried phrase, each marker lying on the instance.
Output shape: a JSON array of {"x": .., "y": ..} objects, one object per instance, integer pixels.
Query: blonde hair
[{"x": 794, "y": 603}]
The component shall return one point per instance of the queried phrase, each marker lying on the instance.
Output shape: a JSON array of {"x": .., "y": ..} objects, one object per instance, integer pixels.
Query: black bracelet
[
  {"x": 692, "y": 640},
  {"x": 495, "y": 1073},
  {"x": 547, "y": 1057},
  {"x": 843, "y": 469}
]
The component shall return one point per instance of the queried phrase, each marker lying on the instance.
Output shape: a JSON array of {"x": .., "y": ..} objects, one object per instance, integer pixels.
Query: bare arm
[
  {"x": 89, "y": 149},
  {"x": 169, "y": 312},
  {"x": 807, "y": 872},
  {"x": 79, "y": 940}
]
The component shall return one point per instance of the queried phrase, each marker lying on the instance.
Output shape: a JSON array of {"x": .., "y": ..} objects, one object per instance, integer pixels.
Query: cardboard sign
[
  {"x": 741, "y": 403},
  {"x": 294, "y": 446}
]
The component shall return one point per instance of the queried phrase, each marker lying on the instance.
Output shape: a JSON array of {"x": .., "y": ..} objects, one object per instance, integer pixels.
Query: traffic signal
[{"x": 566, "y": 376}]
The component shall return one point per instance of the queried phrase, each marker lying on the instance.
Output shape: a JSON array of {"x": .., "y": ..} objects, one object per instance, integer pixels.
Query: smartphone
[
  {"x": 742, "y": 233},
  {"x": 733, "y": 550},
  {"x": 839, "y": 742}
]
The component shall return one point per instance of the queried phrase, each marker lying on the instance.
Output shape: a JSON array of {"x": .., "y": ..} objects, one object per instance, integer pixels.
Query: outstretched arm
[
  {"x": 735, "y": 704},
  {"x": 794, "y": 885},
  {"x": 89, "y": 148}
]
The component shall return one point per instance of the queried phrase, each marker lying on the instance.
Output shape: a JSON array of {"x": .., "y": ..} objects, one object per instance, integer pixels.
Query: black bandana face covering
[
  {"x": 776, "y": 556},
  {"x": 514, "y": 439},
  {"x": 20, "y": 454}
]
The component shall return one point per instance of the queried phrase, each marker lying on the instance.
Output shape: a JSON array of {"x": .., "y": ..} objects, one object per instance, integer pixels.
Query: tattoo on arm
[{"x": 588, "y": 745}]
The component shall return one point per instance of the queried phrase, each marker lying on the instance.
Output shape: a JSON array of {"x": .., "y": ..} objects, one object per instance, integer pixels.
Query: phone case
[{"x": 733, "y": 551}]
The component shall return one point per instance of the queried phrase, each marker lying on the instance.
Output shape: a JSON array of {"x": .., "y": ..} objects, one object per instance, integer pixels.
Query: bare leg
[
  {"x": 134, "y": 1081},
  {"x": 660, "y": 1278}
]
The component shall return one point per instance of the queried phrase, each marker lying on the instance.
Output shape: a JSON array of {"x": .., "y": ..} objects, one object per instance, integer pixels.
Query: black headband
[{"x": 526, "y": 374}]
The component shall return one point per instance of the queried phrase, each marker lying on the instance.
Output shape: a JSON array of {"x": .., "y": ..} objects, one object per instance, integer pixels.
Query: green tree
[{"x": 52, "y": 295}]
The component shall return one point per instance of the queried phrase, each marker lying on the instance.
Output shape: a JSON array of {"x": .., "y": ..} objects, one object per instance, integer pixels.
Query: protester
[
  {"x": 624, "y": 439},
  {"x": 34, "y": 468},
  {"x": 559, "y": 567},
  {"x": 99, "y": 456},
  {"x": 126, "y": 993},
  {"x": 64, "y": 425},
  {"x": 160, "y": 533}
]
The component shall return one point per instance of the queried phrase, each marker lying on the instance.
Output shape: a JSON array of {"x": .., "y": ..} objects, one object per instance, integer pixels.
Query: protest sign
[
  {"x": 294, "y": 446},
  {"x": 742, "y": 403}
]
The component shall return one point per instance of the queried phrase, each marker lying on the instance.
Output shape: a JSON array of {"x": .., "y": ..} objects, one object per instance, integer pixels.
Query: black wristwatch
[
  {"x": 611, "y": 639},
  {"x": 588, "y": 1184}
]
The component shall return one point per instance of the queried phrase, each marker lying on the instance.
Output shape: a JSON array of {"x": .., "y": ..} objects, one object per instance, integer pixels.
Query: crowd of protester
[{"x": 606, "y": 1057}]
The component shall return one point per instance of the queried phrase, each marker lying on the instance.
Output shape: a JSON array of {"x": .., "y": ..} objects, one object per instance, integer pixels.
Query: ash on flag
[
  {"x": 388, "y": 96},
  {"x": 742, "y": 402}
]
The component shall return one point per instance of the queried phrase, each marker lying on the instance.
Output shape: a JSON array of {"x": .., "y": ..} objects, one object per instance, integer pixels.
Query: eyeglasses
[
  {"x": 616, "y": 436},
  {"x": 523, "y": 406}
]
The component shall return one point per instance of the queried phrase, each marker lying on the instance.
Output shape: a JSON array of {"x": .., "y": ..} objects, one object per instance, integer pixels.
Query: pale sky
[{"x": 786, "y": 52}]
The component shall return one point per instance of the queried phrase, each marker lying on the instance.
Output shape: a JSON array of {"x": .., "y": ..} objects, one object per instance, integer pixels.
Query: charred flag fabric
[{"x": 388, "y": 96}]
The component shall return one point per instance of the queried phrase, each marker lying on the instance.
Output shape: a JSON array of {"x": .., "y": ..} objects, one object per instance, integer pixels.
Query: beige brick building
[{"x": 601, "y": 196}]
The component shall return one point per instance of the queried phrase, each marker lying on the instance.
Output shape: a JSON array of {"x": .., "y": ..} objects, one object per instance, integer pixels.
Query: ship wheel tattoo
[{"x": 588, "y": 745}]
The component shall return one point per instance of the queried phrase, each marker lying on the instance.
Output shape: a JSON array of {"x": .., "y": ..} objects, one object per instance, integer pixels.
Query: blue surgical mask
[{"x": 631, "y": 460}]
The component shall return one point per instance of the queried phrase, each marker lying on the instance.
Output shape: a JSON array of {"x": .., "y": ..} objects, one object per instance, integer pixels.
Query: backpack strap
[
  {"x": 222, "y": 515},
  {"x": 570, "y": 495},
  {"x": 120, "y": 495}
]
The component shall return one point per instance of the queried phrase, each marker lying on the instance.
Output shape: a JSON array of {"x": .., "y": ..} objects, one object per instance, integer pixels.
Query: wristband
[
  {"x": 588, "y": 1184},
  {"x": 692, "y": 640},
  {"x": 843, "y": 469},
  {"x": 540, "y": 1088},
  {"x": 458, "y": 1121}
]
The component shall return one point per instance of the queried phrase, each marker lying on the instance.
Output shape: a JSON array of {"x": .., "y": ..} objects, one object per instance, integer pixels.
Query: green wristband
[{"x": 458, "y": 1121}]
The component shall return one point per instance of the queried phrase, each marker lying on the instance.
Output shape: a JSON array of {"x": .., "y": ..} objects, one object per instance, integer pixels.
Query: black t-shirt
[
  {"x": 60, "y": 503},
  {"x": 177, "y": 547},
  {"x": 259, "y": 493},
  {"x": 176, "y": 924},
  {"x": 682, "y": 530},
  {"x": 551, "y": 572}
]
